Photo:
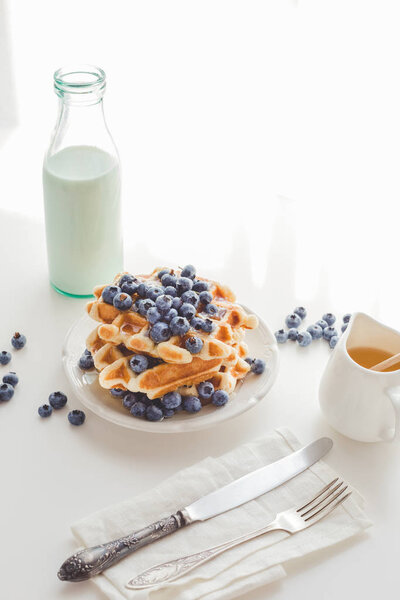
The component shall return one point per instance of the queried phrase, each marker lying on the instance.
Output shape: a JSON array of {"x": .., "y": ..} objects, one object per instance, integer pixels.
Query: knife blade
[{"x": 91, "y": 561}]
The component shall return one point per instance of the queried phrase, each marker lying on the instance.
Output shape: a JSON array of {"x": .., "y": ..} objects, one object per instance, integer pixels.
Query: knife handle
[{"x": 91, "y": 561}]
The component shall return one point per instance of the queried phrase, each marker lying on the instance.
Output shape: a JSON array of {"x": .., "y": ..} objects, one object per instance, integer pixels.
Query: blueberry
[
  {"x": 154, "y": 292},
  {"x": 183, "y": 284},
  {"x": 153, "y": 315},
  {"x": 168, "y": 279},
  {"x": 153, "y": 413},
  {"x": 139, "y": 363},
  {"x": 292, "y": 334},
  {"x": 321, "y": 323},
  {"x": 315, "y": 331},
  {"x": 18, "y": 341},
  {"x": 329, "y": 318},
  {"x": 129, "y": 287},
  {"x": 201, "y": 286},
  {"x": 11, "y": 378},
  {"x": 205, "y": 389},
  {"x": 122, "y": 301},
  {"x": 301, "y": 312},
  {"x": 197, "y": 323},
  {"x": 304, "y": 338},
  {"x": 249, "y": 360},
  {"x": 171, "y": 400},
  {"x": 168, "y": 412},
  {"x": 293, "y": 320},
  {"x": 329, "y": 332},
  {"x": 191, "y": 404},
  {"x": 163, "y": 272},
  {"x": 347, "y": 318},
  {"x": 145, "y": 305},
  {"x": 125, "y": 279},
  {"x": 191, "y": 297},
  {"x": 211, "y": 310},
  {"x": 109, "y": 292},
  {"x": 5, "y": 357},
  {"x": 164, "y": 303},
  {"x": 258, "y": 366},
  {"x": 187, "y": 310},
  {"x": 142, "y": 290},
  {"x": 170, "y": 291},
  {"x": 117, "y": 392},
  {"x": 208, "y": 325},
  {"x": 76, "y": 417},
  {"x": 176, "y": 303},
  {"x": 129, "y": 399},
  {"x": 6, "y": 392},
  {"x": 138, "y": 409},
  {"x": 344, "y": 327},
  {"x": 171, "y": 314},
  {"x": 86, "y": 362},
  {"x": 45, "y": 411},
  {"x": 160, "y": 332},
  {"x": 194, "y": 344},
  {"x": 57, "y": 400},
  {"x": 189, "y": 271},
  {"x": 220, "y": 398},
  {"x": 179, "y": 326},
  {"x": 281, "y": 336},
  {"x": 205, "y": 297},
  {"x": 333, "y": 341}
]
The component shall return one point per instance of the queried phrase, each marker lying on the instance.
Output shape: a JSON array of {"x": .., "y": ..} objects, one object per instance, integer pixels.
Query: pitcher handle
[{"x": 394, "y": 397}]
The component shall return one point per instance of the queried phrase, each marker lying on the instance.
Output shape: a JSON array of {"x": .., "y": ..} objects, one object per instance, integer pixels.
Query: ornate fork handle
[
  {"x": 173, "y": 569},
  {"x": 91, "y": 561}
]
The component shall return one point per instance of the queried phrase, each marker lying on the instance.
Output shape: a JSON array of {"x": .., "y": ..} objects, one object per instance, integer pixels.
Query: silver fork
[{"x": 291, "y": 521}]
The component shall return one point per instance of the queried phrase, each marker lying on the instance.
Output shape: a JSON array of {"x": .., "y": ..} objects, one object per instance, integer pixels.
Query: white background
[{"x": 258, "y": 140}]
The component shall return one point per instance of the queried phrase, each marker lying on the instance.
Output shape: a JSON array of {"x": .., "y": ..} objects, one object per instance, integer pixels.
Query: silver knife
[{"x": 92, "y": 561}]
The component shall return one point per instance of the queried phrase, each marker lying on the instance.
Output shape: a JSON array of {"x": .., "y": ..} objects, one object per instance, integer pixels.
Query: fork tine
[
  {"x": 320, "y": 510},
  {"x": 324, "y": 497},
  {"x": 319, "y": 494}
]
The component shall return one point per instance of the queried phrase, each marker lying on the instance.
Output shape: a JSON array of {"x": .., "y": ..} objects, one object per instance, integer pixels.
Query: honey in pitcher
[{"x": 368, "y": 357}]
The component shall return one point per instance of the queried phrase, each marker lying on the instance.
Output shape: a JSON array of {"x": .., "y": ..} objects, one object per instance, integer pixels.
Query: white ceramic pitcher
[{"x": 362, "y": 404}]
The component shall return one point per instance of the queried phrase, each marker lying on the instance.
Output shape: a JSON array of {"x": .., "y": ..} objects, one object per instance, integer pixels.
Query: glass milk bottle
[{"x": 81, "y": 187}]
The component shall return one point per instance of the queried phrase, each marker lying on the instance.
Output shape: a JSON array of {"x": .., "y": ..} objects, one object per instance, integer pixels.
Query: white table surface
[{"x": 53, "y": 474}]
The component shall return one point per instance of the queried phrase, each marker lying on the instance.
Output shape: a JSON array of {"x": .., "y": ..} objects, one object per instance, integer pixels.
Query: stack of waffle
[{"x": 122, "y": 334}]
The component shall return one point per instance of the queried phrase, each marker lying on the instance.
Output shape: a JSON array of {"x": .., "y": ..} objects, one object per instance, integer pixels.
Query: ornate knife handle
[{"x": 92, "y": 561}]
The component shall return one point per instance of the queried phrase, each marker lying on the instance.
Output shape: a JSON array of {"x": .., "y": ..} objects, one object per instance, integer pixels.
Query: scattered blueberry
[
  {"x": 6, "y": 392},
  {"x": 109, "y": 292},
  {"x": 139, "y": 363},
  {"x": 187, "y": 310},
  {"x": 183, "y": 284},
  {"x": 293, "y": 320},
  {"x": 117, "y": 392},
  {"x": 205, "y": 297},
  {"x": 329, "y": 318},
  {"x": 281, "y": 336},
  {"x": 347, "y": 318},
  {"x": 189, "y": 271},
  {"x": 5, "y": 357},
  {"x": 329, "y": 332},
  {"x": 179, "y": 326},
  {"x": 249, "y": 360},
  {"x": 153, "y": 413},
  {"x": 122, "y": 301},
  {"x": 321, "y": 323},
  {"x": 145, "y": 305},
  {"x": 171, "y": 400},
  {"x": 138, "y": 409},
  {"x": 316, "y": 332},
  {"x": 205, "y": 389},
  {"x": 333, "y": 341},
  {"x": 168, "y": 279},
  {"x": 208, "y": 325},
  {"x": 344, "y": 327},
  {"x": 176, "y": 303},
  {"x": 301, "y": 312},
  {"x": 171, "y": 314},
  {"x": 127, "y": 278},
  {"x": 153, "y": 315},
  {"x": 170, "y": 291},
  {"x": 18, "y": 341},
  {"x": 76, "y": 417},
  {"x": 194, "y": 344},
  {"x": 304, "y": 338},
  {"x": 129, "y": 287},
  {"x": 142, "y": 290},
  {"x": 154, "y": 292},
  {"x": 191, "y": 404},
  {"x": 191, "y": 297},
  {"x": 201, "y": 286},
  {"x": 45, "y": 411},
  {"x": 220, "y": 398},
  {"x": 160, "y": 332},
  {"x": 258, "y": 366},
  {"x": 129, "y": 399},
  {"x": 292, "y": 334},
  {"x": 164, "y": 303},
  {"x": 163, "y": 272},
  {"x": 86, "y": 362},
  {"x": 197, "y": 323},
  {"x": 11, "y": 378},
  {"x": 57, "y": 400}
]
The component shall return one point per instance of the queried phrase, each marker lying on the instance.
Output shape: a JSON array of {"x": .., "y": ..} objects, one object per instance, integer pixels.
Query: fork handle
[{"x": 173, "y": 569}]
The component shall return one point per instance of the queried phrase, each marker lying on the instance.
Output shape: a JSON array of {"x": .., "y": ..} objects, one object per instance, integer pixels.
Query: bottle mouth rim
[{"x": 79, "y": 79}]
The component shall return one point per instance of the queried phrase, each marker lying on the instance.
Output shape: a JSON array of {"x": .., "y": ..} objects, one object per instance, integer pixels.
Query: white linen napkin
[{"x": 241, "y": 569}]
